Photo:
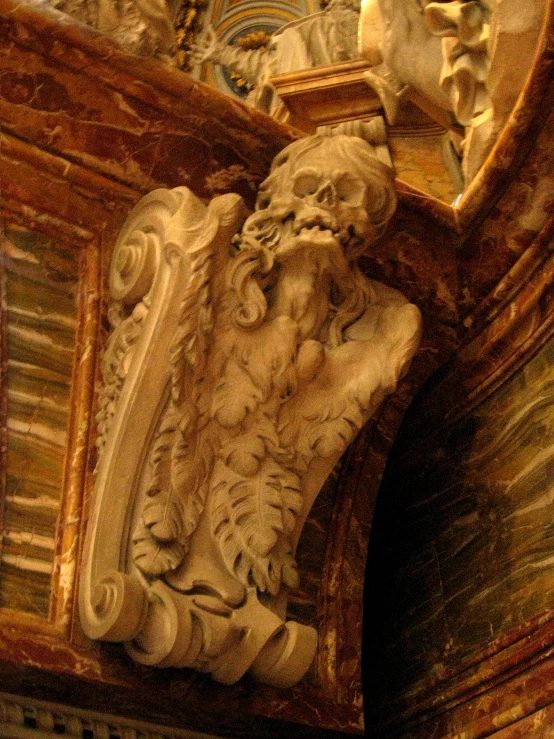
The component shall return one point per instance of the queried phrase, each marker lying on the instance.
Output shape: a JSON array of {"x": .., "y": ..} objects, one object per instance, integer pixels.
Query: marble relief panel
[
  {"x": 40, "y": 282},
  {"x": 463, "y": 544}
]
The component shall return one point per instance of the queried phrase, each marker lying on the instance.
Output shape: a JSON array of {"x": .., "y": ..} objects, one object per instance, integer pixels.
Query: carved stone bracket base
[
  {"x": 246, "y": 353},
  {"x": 199, "y": 630}
]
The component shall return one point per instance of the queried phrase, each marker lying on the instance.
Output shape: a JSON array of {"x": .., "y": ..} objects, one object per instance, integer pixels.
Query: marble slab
[
  {"x": 73, "y": 92},
  {"x": 463, "y": 545},
  {"x": 40, "y": 294}
]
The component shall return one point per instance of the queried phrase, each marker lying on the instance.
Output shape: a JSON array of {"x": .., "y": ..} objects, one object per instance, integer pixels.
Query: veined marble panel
[
  {"x": 463, "y": 544},
  {"x": 40, "y": 281}
]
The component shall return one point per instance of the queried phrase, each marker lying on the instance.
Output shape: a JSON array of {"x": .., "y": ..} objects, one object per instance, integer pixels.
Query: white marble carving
[
  {"x": 315, "y": 40},
  {"x": 395, "y": 38},
  {"x": 488, "y": 48},
  {"x": 141, "y": 26},
  {"x": 247, "y": 352},
  {"x": 468, "y": 58}
]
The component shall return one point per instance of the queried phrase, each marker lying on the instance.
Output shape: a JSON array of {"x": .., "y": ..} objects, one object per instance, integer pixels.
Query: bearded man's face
[{"x": 321, "y": 204}]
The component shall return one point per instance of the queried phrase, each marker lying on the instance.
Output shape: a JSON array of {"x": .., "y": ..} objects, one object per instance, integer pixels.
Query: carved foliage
[
  {"x": 263, "y": 378},
  {"x": 115, "y": 363},
  {"x": 275, "y": 350},
  {"x": 182, "y": 450},
  {"x": 251, "y": 519}
]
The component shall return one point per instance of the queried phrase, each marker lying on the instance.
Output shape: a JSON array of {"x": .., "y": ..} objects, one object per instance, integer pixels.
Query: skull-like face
[
  {"x": 323, "y": 205},
  {"x": 326, "y": 205},
  {"x": 330, "y": 194}
]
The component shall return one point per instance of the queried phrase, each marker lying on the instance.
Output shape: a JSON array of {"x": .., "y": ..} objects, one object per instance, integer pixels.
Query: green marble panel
[
  {"x": 463, "y": 539},
  {"x": 40, "y": 281}
]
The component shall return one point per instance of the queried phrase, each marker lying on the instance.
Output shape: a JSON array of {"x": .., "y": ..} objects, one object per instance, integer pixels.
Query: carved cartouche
[{"x": 240, "y": 368}]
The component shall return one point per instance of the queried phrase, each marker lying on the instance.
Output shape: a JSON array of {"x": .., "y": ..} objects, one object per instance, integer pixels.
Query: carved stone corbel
[{"x": 245, "y": 355}]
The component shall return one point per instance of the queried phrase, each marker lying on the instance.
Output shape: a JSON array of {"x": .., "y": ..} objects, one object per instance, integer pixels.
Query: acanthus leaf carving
[
  {"x": 244, "y": 454},
  {"x": 235, "y": 395},
  {"x": 262, "y": 352},
  {"x": 250, "y": 515},
  {"x": 155, "y": 556}
]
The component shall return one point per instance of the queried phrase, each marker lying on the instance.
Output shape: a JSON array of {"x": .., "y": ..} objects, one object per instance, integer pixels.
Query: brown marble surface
[
  {"x": 418, "y": 161},
  {"x": 87, "y": 130},
  {"x": 472, "y": 519},
  {"x": 73, "y": 92},
  {"x": 461, "y": 557},
  {"x": 40, "y": 294}
]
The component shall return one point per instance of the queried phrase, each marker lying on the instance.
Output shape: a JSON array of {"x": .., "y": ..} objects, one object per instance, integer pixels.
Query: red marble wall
[{"x": 86, "y": 131}]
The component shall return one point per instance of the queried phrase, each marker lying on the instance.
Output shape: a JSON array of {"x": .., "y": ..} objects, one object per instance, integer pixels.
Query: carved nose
[{"x": 326, "y": 195}]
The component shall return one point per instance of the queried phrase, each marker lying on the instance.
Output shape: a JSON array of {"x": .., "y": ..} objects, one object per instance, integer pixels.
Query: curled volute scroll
[{"x": 246, "y": 353}]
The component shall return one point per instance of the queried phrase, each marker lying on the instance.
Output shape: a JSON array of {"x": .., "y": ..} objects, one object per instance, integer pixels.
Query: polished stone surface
[
  {"x": 461, "y": 560},
  {"x": 79, "y": 175},
  {"x": 72, "y": 92},
  {"x": 40, "y": 300},
  {"x": 472, "y": 525}
]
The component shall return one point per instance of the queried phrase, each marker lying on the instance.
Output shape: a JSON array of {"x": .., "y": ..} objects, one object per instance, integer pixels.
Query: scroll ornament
[{"x": 246, "y": 353}]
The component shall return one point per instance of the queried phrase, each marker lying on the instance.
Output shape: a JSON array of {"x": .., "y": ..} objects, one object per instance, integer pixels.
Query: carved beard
[
  {"x": 312, "y": 229},
  {"x": 271, "y": 241}
]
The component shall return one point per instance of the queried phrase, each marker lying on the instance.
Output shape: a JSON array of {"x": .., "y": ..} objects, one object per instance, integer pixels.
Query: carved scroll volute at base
[
  {"x": 120, "y": 605},
  {"x": 232, "y": 386},
  {"x": 179, "y": 626},
  {"x": 147, "y": 277}
]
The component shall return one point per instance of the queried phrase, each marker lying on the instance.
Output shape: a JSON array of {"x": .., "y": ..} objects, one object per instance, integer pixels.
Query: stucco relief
[{"x": 246, "y": 353}]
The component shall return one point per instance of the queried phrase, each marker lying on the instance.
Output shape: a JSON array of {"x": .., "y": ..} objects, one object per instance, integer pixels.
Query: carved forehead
[
  {"x": 334, "y": 157},
  {"x": 326, "y": 154}
]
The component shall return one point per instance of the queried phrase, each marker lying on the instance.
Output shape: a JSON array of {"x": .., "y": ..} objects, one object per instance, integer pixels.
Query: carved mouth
[
  {"x": 317, "y": 223},
  {"x": 321, "y": 229}
]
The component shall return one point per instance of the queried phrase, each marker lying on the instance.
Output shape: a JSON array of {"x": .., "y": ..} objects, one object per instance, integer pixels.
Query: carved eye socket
[
  {"x": 280, "y": 160},
  {"x": 351, "y": 190},
  {"x": 263, "y": 202},
  {"x": 306, "y": 184}
]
